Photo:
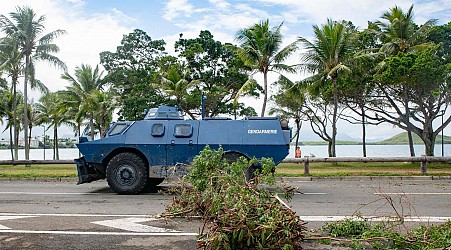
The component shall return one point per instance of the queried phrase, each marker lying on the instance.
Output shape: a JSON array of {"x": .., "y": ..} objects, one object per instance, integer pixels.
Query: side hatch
[{"x": 182, "y": 141}]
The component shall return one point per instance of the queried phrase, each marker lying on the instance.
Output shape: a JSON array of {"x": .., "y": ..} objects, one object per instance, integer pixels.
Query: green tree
[
  {"x": 357, "y": 87},
  {"x": 103, "y": 105},
  {"x": 28, "y": 30},
  {"x": 400, "y": 34},
  {"x": 79, "y": 95},
  {"x": 131, "y": 70},
  {"x": 327, "y": 57},
  {"x": 261, "y": 51},
  {"x": 7, "y": 101},
  {"x": 173, "y": 83},
  {"x": 289, "y": 102},
  {"x": 11, "y": 64},
  {"x": 214, "y": 69},
  {"x": 426, "y": 77},
  {"x": 48, "y": 111}
]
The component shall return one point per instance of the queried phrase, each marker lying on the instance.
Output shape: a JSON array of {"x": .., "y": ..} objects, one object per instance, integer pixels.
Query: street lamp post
[
  {"x": 443, "y": 148},
  {"x": 44, "y": 140}
]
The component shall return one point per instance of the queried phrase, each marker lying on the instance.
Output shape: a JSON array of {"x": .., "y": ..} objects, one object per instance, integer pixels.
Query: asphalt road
[{"x": 62, "y": 215}]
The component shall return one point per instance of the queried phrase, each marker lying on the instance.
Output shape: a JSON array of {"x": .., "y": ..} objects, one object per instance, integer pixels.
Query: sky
[{"x": 94, "y": 26}]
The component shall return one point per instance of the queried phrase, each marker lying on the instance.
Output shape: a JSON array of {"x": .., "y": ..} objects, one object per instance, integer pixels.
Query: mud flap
[{"x": 86, "y": 173}]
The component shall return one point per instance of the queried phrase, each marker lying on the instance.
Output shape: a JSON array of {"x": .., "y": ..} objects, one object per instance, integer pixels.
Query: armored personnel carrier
[{"x": 134, "y": 154}]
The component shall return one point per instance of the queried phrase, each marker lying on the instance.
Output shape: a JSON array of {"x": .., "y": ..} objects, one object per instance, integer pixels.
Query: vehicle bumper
[{"x": 86, "y": 173}]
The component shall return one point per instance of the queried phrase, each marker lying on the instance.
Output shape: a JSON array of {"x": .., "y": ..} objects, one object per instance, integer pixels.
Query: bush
[{"x": 239, "y": 214}]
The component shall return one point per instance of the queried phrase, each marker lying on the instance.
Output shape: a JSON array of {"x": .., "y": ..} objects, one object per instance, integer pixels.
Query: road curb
[{"x": 280, "y": 179}]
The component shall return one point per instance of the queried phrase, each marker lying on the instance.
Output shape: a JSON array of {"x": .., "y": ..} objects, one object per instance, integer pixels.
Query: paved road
[{"x": 61, "y": 215}]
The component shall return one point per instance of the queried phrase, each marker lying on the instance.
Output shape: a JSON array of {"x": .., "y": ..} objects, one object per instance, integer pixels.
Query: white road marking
[
  {"x": 406, "y": 219},
  {"x": 12, "y": 217},
  {"x": 413, "y": 193},
  {"x": 311, "y": 193},
  {"x": 99, "y": 233},
  {"x": 80, "y": 215},
  {"x": 131, "y": 224},
  {"x": 42, "y": 193}
]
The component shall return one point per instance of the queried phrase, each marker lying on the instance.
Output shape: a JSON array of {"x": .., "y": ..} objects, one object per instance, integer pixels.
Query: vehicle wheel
[
  {"x": 127, "y": 173},
  {"x": 154, "y": 181},
  {"x": 231, "y": 157}
]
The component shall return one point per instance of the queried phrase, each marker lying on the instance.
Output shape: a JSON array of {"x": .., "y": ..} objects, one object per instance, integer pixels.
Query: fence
[
  {"x": 306, "y": 160},
  {"x": 422, "y": 159}
]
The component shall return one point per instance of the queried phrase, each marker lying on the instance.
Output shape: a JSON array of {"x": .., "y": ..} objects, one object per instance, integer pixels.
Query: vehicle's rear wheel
[
  {"x": 126, "y": 173},
  {"x": 231, "y": 157}
]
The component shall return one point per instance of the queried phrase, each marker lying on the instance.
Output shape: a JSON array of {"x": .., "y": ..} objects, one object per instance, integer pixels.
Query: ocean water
[{"x": 318, "y": 151}]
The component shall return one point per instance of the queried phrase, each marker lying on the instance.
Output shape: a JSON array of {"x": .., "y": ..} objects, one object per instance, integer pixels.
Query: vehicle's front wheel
[{"x": 126, "y": 173}]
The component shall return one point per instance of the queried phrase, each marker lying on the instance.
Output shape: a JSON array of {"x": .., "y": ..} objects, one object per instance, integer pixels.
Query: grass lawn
[
  {"x": 284, "y": 169},
  {"x": 42, "y": 171},
  {"x": 362, "y": 169}
]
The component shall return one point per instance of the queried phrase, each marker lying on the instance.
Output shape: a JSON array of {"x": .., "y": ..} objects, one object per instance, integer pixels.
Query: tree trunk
[
  {"x": 428, "y": 138},
  {"x": 16, "y": 129},
  {"x": 329, "y": 148},
  {"x": 91, "y": 125},
  {"x": 265, "y": 87},
  {"x": 25, "y": 106},
  {"x": 334, "y": 118},
  {"x": 55, "y": 136},
  {"x": 29, "y": 137},
  {"x": 363, "y": 131},
  {"x": 298, "y": 128},
  {"x": 11, "y": 141},
  {"x": 409, "y": 127}
]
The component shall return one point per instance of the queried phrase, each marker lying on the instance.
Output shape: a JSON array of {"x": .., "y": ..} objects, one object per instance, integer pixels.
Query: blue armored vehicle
[{"x": 134, "y": 154}]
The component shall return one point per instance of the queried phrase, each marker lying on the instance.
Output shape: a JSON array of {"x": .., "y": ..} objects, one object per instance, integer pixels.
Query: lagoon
[{"x": 313, "y": 150}]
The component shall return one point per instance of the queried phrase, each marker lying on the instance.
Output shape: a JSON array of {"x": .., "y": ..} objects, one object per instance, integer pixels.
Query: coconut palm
[
  {"x": 400, "y": 34},
  {"x": 79, "y": 94},
  {"x": 11, "y": 64},
  {"x": 48, "y": 111},
  {"x": 261, "y": 51},
  {"x": 327, "y": 57},
  {"x": 173, "y": 84},
  {"x": 27, "y": 29},
  {"x": 103, "y": 105}
]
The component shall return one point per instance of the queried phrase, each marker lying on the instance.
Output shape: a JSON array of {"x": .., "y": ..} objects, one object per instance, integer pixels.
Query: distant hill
[{"x": 401, "y": 138}]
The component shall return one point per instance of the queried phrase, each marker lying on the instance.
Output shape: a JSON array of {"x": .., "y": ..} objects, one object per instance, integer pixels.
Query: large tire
[
  {"x": 232, "y": 157},
  {"x": 126, "y": 173}
]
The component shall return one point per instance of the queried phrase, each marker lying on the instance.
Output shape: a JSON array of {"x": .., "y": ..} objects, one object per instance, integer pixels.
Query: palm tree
[
  {"x": 173, "y": 83},
  {"x": 326, "y": 57},
  {"x": 48, "y": 111},
  {"x": 261, "y": 51},
  {"x": 400, "y": 34},
  {"x": 6, "y": 100},
  {"x": 11, "y": 63},
  {"x": 27, "y": 29},
  {"x": 103, "y": 105},
  {"x": 79, "y": 93}
]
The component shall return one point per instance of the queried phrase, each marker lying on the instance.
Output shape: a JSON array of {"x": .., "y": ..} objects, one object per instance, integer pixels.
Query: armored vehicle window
[
  {"x": 157, "y": 130},
  {"x": 117, "y": 129},
  {"x": 183, "y": 130}
]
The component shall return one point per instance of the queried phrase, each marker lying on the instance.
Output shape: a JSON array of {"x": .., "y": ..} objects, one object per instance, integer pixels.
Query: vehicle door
[{"x": 182, "y": 141}]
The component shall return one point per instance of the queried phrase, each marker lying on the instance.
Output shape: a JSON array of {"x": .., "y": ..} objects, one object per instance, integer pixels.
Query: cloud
[
  {"x": 179, "y": 8},
  {"x": 87, "y": 35}
]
